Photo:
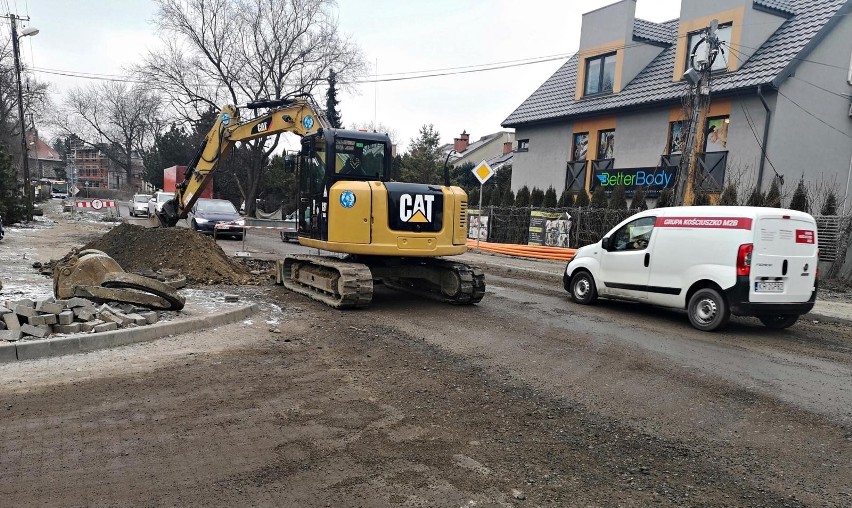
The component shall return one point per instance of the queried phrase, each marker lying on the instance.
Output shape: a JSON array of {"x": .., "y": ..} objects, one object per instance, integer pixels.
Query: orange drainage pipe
[{"x": 527, "y": 251}]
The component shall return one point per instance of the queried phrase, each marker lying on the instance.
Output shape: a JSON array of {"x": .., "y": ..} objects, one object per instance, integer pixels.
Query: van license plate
[{"x": 768, "y": 287}]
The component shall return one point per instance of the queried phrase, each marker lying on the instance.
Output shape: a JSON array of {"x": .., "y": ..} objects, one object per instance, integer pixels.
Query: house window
[
  {"x": 699, "y": 48},
  {"x": 523, "y": 145},
  {"x": 606, "y": 144},
  {"x": 716, "y": 134},
  {"x": 677, "y": 137},
  {"x": 600, "y": 74},
  {"x": 580, "y": 150}
]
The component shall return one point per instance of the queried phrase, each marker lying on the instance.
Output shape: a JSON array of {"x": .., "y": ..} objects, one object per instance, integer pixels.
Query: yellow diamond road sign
[{"x": 483, "y": 172}]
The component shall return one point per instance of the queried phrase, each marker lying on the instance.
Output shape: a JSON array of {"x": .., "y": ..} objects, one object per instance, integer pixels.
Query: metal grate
[{"x": 832, "y": 232}]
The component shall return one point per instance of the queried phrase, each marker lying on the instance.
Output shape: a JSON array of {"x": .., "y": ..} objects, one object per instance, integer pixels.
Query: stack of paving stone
[{"x": 29, "y": 319}]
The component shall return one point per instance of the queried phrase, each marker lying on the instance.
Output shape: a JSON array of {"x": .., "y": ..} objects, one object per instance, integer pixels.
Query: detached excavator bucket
[{"x": 93, "y": 274}]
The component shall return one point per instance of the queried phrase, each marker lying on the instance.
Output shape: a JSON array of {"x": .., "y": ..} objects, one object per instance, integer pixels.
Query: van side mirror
[{"x": 605, "y": 243}]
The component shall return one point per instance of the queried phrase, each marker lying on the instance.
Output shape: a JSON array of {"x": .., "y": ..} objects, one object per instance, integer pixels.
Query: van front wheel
[
  {"x": 583, "y": 289},
  {"x": 708, "y": 310},
  {"x": 778, "y": 321}
]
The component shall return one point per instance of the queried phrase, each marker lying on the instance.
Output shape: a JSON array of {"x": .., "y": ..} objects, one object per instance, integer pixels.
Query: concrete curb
[{"x": 45, "y": 348}]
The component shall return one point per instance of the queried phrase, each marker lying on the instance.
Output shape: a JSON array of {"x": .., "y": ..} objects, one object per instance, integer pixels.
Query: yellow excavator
[{"x": 392, "y": 232}]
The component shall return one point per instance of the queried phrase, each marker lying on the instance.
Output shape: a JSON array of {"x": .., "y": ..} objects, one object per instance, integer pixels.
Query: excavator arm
[{"x": 298, "y": 115}]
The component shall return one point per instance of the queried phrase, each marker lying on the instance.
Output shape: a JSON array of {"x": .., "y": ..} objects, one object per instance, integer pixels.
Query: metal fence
[
  {"x": 834, "y": 233},
  {"x": 588, "y": 225}
]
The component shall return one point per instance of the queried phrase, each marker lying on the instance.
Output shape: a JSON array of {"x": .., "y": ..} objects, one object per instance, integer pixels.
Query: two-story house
[{"x": 616, "y": 111}]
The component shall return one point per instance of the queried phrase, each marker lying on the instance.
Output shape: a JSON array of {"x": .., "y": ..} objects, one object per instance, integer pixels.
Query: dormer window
[
  {"x": 600, "y": 74},
  {"x": 720, "y": 64}
]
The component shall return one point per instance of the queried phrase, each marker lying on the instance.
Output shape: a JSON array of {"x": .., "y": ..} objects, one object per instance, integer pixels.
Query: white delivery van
[{"x": 710, "y": 260}]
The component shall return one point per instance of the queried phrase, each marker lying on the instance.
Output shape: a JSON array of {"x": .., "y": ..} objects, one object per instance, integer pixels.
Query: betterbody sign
[{"x": 653, "y": 180}]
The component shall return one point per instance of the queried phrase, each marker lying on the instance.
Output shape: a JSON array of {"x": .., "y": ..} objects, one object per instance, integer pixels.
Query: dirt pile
[{"x": 195, "y": 256}]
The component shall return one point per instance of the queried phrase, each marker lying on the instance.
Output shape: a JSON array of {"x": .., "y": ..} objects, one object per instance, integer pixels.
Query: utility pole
[{"x": 698, "y": 74}]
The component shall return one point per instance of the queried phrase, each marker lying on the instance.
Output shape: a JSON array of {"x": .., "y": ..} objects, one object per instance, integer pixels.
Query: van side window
[{"x": 634, "y": 235}]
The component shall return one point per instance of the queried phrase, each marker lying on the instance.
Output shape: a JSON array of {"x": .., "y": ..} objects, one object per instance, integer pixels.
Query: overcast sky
[{"x": 396, "y": 36}]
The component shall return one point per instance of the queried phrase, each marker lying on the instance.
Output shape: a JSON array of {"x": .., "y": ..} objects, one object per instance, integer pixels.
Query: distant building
[
  {"x": 43, "y": 160},
  {"x": 485, "y": 148},
  {"x": 96, "y": 170}
]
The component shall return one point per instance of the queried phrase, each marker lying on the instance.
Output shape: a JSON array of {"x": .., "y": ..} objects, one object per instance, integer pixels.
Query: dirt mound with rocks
[{"x": 195, "y": 256}]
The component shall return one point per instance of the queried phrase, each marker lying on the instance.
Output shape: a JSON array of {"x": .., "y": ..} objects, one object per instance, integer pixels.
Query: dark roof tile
[{"x": 554, "y": 99}]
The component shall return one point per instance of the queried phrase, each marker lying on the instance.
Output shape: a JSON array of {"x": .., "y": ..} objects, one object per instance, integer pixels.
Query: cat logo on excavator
[{"x": 416, "y": 208}]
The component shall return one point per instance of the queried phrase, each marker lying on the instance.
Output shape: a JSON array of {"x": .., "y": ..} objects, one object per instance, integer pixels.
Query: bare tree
[
  {"x": 36, "y": 100},
  {"x": 117, "y": 118},
  {"x": 237, "y": 51},
  {"x": 380, "y": 127}
]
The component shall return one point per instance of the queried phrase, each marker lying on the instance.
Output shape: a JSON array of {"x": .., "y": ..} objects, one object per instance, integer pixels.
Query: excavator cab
[{"x": 336, "y": 155}]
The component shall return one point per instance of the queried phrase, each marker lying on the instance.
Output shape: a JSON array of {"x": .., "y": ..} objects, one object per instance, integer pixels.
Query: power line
[
  {"x": 842, "y": 96},
  {"x": 820, "y": 120},
  {"x": 793, "y": 57}
]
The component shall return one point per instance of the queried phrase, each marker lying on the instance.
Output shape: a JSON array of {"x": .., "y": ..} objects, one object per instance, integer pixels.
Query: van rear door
[{"x": 784, "y": 260}]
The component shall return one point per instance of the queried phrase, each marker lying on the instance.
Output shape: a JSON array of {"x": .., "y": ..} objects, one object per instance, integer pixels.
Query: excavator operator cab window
[{"x": 359, "y": 158}]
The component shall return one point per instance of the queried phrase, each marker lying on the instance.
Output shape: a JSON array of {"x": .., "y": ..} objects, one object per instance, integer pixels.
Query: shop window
[
  {"x": 606, "y": 144},
  {"x": 600, "y": 74},
  {"x": 580, "y": 148},
  {"x": 716, "y": 134},
  {"x": 677, "y": 137}
]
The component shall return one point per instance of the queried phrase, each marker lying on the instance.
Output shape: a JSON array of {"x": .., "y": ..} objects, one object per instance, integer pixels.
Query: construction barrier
[
  {"x": 96, "y": 204},
  {"x": 527, "y": 251}
]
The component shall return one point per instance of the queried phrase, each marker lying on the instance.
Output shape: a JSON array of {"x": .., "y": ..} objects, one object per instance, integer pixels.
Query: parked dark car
[{"x": 208, "y": 212}]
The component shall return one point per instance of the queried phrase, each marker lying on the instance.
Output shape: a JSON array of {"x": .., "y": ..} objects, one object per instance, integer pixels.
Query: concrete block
[
  {"x": 35, "y": 331},
  {"x": 85, "y": 313},
  {"x": 73, "y": 303},
  {"x": 66, "y": 317},
  {"x": 23, "y": 310},
  {"x": 109, "y": 317},
  {"x": 48, "y": 307},
  {"x": 37, "y": 320},
  {"x": 88, "y": 326},
  {"x": 63, "y": 303},
  {"x": 24, "y": 302},
  {"x": 3, "y": 324},
  {"x": 10, "y": 335},
  {"x": 12, "y": 321},
  {"x": 138, "y": 320},
  {"x": 50, "y": 319},
  {"x": 69, "y": 328},
  {"x": 4, "y": 309},
  {"x": 150, "y": 316},
  {"x": 106, "y": 327},
  {"x": 125, "y": 319},
  {"x": 8, "y": 353}
]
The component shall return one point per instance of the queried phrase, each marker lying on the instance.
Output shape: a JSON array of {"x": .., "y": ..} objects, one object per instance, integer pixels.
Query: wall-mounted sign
[{"x": 653, "y": 180}]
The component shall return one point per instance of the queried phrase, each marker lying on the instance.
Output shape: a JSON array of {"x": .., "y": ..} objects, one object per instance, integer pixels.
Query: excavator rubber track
[
  {"x": 460, "y": 284},
  {"x": 335, "y": 282}
]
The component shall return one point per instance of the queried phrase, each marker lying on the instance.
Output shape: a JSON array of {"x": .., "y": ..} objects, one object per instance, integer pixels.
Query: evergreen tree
[
  {"x": 666, "y": 199},
  {"x": 700, "y": 199},
  {"x": 566, "y": 200},
  {"x": 462, "y": 175},
  {"x": 729, "y": 196},
  {"x": 800, "y": 201},
  {"x": 508, "y": 198},
  {"x": 536, "y": 197},
  {"x": 10, "y": 203},
  {"x": 598, "y": 198},
  {"x": 582, "y": 199},
  {"x": 331, "y": 102},
  {"x": 473, "y": 199},
  {"x": 618, "y": 198},
  {"x": 773, "y": 197},
  {"x": 830, "y": 205},
  {"x": 639, "y": 202},
  {"x": 423, "y": 162},
  {"x": 549, "y": 198},
  {"x": 756, "y": 198},
  {"x": 522, "y": 199}
]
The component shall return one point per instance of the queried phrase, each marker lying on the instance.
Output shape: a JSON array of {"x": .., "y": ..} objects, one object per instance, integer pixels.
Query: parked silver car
[
  {"x": 139, "y": 205},
  {"x": 155, "y": 204}
]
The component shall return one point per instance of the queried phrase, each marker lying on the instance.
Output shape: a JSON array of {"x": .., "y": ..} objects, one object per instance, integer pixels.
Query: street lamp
[{"x": 28, "y": 188}]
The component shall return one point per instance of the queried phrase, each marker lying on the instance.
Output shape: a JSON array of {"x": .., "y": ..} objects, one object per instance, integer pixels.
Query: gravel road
[{"x": 522, "y": 400}]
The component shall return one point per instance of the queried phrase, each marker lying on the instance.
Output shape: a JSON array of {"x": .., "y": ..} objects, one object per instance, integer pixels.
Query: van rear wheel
[
  {"x": 583, "y": 289},
  {"x": 708, "y": 310},
  {"x": 778, "y": 321}
]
